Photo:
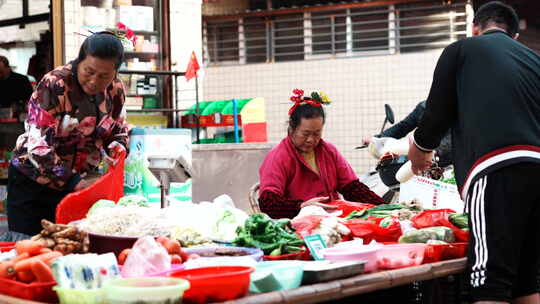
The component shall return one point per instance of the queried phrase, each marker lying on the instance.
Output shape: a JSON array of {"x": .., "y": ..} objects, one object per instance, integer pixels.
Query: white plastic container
[{"x": 405, "y": 172}]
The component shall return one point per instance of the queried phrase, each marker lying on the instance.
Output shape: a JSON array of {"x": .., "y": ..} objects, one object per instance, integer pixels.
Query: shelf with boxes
[{"x": 228, "y": 121}]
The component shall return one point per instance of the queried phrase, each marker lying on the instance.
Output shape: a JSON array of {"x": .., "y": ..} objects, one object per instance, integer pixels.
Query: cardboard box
[
  {"x": 431, "y": 193},
  {"x": 137, "y": 18}
]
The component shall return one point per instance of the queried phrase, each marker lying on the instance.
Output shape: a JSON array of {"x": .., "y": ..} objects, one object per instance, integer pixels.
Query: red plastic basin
[
  {"x": 40, "y": 292},
  {"x": 434, "y": 253},
  {"x": 215, "y": 284},
  {"x": 455, "y": 251}
]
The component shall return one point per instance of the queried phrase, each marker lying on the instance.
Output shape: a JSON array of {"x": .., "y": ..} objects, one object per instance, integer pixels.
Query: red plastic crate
[
  {"x": 6, "y": 246},
  {"x": 40, "y": 292},
  {"x": 455, "y": 251},
  {"x": 434, "y": 253}
]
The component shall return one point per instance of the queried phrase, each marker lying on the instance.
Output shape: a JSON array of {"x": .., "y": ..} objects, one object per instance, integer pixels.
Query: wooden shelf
[{"x": 140, "y": 54}]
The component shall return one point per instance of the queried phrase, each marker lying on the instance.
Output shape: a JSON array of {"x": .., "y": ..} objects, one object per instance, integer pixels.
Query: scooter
[{"x": 382, "y": 178}]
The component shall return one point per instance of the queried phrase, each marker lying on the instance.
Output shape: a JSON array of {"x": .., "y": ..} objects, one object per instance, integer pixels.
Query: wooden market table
[
  {"x": 339, "y": 289},
  {"x": 356, "y": 285}
]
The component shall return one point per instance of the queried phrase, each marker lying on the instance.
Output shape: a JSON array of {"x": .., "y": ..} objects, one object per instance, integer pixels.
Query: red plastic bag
[
  {"x": 370, "y": 229},
  {"x": 348, "y": 207},
  {"x": 439, "y": 217},
  {"x": 306, "y": 224},
  {"x": 110, "y": 186}
]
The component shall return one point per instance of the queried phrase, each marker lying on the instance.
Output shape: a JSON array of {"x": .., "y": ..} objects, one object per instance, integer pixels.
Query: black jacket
[
  {"x": 409, "y": 123},
  {"x": 15, "y": 89},
  {"x": 487, "y": 89}
]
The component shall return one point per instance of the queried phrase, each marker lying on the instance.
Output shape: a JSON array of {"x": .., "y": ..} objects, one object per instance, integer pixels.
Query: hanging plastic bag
[
  {"x": 439, "y": 217},
  {"x": 347, "y": 207},
  {"x": 146, "y": 257},
  {"x": 306, "y": 224}
]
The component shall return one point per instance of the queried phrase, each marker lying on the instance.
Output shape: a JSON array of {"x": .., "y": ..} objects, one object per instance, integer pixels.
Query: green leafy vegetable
[
  {"x": 461, "y": 220},
  {"x": 272, "y": 237},
  {"x": 133, "y": 200},
  {"x": 100, "y": 204}
]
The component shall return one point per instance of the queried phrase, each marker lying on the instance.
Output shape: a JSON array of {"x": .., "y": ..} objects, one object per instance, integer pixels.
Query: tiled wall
[
  {"x": 359, "y": 87},
  {"x": 73, "y": 21}
]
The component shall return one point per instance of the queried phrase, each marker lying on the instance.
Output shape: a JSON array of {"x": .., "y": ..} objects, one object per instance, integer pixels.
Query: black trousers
[
  {"x": 29, "y": 202},
  {"x": 504, "y": 250}
]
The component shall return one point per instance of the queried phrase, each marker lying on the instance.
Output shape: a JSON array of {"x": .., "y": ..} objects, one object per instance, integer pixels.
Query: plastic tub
[
  {"x": 350, "y": 253},
  {"x": 400, "y": 255},
  {"x": 40, "y": 292},
  {"x": 455, "y": 251},
  {"x": 80, "y": 296},
  {"x": 215, "y": 284},
  {"x": 254, "y": 253},
  {"x": 174, "y": 267},
  {"x": 145, "y": 290},
  {"x": 434, "y": 253},
  {"x": 276, "y": 275}
]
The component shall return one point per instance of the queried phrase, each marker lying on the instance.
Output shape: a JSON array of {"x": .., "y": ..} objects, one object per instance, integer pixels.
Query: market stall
[{"x": 107, "y": 247}]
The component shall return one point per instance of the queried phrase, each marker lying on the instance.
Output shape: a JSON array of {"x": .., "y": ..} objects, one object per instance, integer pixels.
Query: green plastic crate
[{"x": 228, "y": 109}]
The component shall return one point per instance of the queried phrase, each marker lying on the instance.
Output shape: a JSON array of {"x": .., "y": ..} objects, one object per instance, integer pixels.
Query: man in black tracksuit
[{"x": 487, "y": 90}]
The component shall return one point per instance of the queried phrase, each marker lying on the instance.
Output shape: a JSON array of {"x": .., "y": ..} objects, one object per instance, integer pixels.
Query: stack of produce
[
  {"x": 85, "y": 271},
  {"x": 63, "y": 238},
  {"x": 130, "y": 221},
  {"x": 32, "y": 263},
  {"x": 272, "y": 237}
]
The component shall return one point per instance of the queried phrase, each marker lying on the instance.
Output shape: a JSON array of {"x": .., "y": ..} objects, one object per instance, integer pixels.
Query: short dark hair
[
  {"x": 103, "y": 45},
  {"x": 499, "y": 14},
  {"x": 305, "y": 111},
  {"x": 4, "y": 60}
]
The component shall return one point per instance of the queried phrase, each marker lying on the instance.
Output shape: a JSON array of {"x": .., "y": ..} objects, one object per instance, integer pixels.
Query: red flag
[{"x": 192, "y": 67}]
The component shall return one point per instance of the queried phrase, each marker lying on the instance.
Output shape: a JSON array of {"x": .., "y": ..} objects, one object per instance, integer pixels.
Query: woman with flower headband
[
  {"x": 76, "y": 118},
  {"x": 304, "y": 169}
]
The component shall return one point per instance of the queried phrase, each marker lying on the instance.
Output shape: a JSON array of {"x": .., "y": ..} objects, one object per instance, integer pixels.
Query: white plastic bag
[{"x": 146, "y": 257}]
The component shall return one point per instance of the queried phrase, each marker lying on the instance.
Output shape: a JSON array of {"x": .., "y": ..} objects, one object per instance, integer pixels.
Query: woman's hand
[
  {"x": 115, "y": 149},
  {"x": 318, "y": 201}
]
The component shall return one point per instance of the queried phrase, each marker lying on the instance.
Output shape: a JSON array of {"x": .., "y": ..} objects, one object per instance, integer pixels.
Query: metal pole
[
  {"x": 235, "y": 117},
  {"x": 176, "y": 116},
  {"x": 198, "y": 114}
]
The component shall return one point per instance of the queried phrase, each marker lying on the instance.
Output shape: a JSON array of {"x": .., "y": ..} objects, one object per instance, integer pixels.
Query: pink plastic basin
[
  {"x": 368, "y": 254},
  {"x": 400, "y": 255}
]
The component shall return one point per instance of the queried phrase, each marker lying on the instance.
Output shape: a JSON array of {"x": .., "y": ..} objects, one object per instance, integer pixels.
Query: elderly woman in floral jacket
[{"x": 76, "y": 118}]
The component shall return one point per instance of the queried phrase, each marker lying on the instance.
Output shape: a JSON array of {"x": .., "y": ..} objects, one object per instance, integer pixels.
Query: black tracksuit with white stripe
[{"x": 487, "y": 90}]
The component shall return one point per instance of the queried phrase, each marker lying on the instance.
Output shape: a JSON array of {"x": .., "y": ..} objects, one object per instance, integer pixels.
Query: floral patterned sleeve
[
  {"x": 36, "y": 150},
  {"x": 118, "y": 125}
]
